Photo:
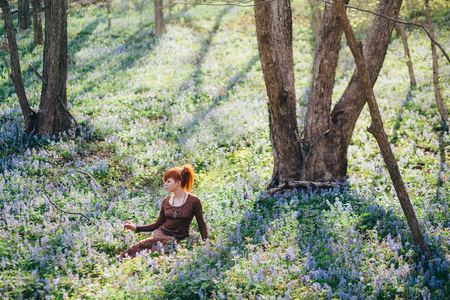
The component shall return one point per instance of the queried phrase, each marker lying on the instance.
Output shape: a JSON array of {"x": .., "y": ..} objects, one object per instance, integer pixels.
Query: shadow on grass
[
  {"x": 399, "y": 118},
  {"x": 77, "y": 43},
  {"x": 133, "y": 48},
  {"x": 206, "y": 45},
  {"x": 339, "y": 233},
  {"x": 237, "y": 77}
]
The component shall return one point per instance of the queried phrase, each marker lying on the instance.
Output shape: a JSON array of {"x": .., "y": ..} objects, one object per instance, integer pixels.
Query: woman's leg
[{"x": 150, "y": 244}]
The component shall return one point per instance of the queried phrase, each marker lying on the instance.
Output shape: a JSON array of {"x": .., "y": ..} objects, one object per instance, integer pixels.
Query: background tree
[
  {"x": 401, "y": 31},
  {"x": 437, "y": 92},
  {"x": 24, "y": 20},
  {"x": 160, "y": 27},
  {"x": 317, "y": 17},
  {"x": 53, "y": 116},
  {"x": 37, "y": 24}
]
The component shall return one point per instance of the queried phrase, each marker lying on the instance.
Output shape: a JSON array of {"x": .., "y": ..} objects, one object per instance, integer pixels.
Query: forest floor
[{"x": 196, "y": 95}]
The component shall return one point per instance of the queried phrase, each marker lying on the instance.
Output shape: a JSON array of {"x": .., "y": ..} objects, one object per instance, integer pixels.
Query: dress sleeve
[
  {"x": 161, "y": 220},
  {"x": 198, "y": 212}
]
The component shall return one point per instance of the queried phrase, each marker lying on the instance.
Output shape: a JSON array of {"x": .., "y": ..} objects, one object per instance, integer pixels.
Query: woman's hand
[{"x": 130, "y": 226}]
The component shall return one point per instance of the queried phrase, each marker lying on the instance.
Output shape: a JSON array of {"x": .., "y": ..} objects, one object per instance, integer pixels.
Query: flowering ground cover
[{"x": 196, "y": 95}]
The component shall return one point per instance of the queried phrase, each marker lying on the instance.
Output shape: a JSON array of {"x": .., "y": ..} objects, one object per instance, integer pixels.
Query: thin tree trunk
[
  {"x": 159, "y": 18},
  {"x": 328, "y": 158},
  {"x": 274, "y": 33},
  {"x": 377, "y": 130},
  {"x": 108, "y": 10},
  {"x": 440, "y": 103},
  {"x": 401, "y": 30},
  {"x": 53, "y": 116},
  {"x": 16, "y": 75},
  {"x": 37, "y": 24},
  {"x": 185, "y": 6},
  {"x": 24, "y": 20},
  {"x": 437, "y": 90},
  {"x": 170, "y": 10}
]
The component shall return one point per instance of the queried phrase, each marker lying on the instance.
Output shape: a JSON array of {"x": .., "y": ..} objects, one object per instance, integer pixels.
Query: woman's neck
[{"x": 179, "y": 193}]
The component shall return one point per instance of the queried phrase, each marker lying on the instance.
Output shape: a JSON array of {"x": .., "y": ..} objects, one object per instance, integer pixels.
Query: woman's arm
[
  {"x": 198, "y": 212},
  {"x": 161, "y": 220}
]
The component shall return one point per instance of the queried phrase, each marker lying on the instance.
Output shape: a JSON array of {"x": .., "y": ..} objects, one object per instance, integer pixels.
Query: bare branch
[
  {"x": 37, "y": 73},
  {"x": 96, "y": 183},
  {"x": 227, "y": 3},
  {"x": 398, "y": 21},
  {"x": 61, "y": 210}
]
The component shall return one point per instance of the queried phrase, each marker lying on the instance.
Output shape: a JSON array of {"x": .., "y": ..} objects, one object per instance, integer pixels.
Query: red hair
[{"x": 185, "y": 174}]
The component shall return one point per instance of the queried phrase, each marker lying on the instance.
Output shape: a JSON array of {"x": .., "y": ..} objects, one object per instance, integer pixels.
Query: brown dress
[{"x": 172, "y": 226}]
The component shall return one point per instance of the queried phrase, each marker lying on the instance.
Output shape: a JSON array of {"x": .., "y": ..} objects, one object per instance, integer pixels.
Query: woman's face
[{"x": 172, "y": 185}]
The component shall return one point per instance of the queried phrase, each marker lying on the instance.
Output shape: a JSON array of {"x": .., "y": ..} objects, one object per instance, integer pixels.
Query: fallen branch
[
  {"x": 398, "y": 21},
  {"x": 61, "y": 210},
  {"x": 97, "y": 184},
  {"x": 296, "y": 184}
]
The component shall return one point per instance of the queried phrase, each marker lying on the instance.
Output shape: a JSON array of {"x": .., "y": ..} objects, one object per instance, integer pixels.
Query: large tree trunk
[
  {"x": 53, "y": 116},
  {"x": 37, "y": 24},
  {"x": 401, "y": 30},
  {"x": 321, "y": 135},
  {"x": 159, "y": 18},
  {"x": 377, "y": 130},
  {"x": 16, "y": 75},
  {"x": 274, "y": 32},
  {"x": 24, "y": 20},
  {"x": 328, "y": 159}
]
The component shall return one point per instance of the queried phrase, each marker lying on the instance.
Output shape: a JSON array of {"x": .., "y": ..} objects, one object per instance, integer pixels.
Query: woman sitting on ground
[{"x": 175, "y": 216}]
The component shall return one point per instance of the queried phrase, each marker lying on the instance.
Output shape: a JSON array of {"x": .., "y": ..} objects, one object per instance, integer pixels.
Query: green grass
[{"x": 196, "y": 95}]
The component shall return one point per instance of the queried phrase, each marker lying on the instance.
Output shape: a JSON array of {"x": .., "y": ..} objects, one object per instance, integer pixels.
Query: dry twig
[
  {"x": 96, "y": 183},
  {"x": 296, "y": 184},
  {"x": 61, "y": 210}
]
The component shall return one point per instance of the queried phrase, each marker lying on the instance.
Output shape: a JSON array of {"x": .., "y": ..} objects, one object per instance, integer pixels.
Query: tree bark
[
  {"x": 24, "y": 20},
  {"x": 377, "y": 130},
  {"x": 53, "y": 116},
  {"x": 322, "y": 162},
  {"x": 37, "y": 24},
  {"x": 401, "y": 30},
  {"x": 274, "y": 33},
  {"x": 328, "y": 159},
  {"x": 437, "y": 90},
  {"x": 170, "y": 10},
  {"x": 16, "y": 74},
  {"x": 159, "y": 18}
]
